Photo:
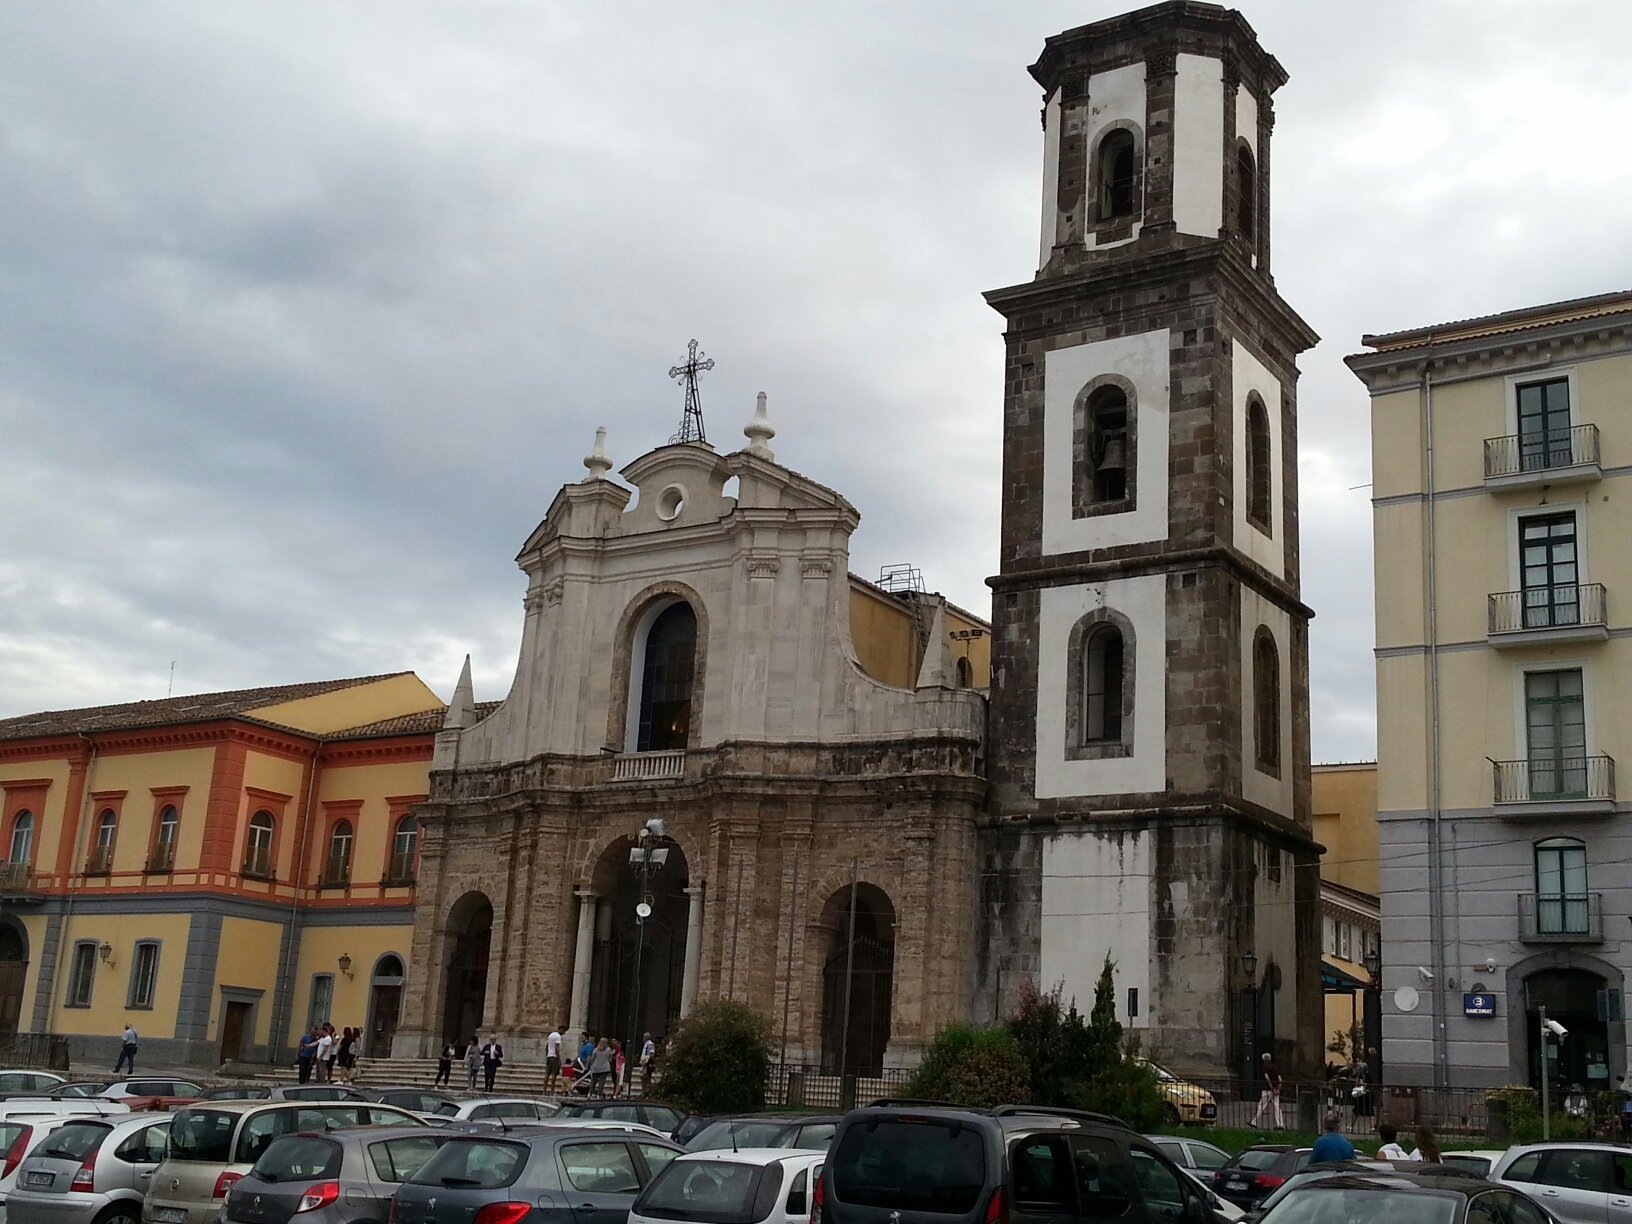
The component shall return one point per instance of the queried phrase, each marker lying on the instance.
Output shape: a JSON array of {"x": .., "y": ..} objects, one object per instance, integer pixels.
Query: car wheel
[
  {"x": 121, "y": 1213},
  {"x": 1171, "y": 1112}
]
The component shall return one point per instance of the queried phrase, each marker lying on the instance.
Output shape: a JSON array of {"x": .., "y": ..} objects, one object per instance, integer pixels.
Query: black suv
[{"x": 911, "y": 1162}]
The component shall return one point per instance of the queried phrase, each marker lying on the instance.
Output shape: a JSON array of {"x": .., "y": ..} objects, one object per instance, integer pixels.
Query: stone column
[
  {"x": 584, "y": 961},
  {"x": 694, "y": 949}
]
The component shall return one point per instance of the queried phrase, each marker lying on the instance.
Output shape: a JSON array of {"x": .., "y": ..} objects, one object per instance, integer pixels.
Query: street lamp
[
  {"x": 1249, "y": 968},
  {"x": 1373, "y": 1020},
  {"x": 645, "y": 856}
]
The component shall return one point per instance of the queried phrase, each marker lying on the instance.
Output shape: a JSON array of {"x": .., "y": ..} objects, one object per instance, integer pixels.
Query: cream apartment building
[{"x": 1502, "y": 468}]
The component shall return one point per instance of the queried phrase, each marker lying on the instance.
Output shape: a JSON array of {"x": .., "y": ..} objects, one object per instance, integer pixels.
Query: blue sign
[{"x": 1478, "y": 1005}]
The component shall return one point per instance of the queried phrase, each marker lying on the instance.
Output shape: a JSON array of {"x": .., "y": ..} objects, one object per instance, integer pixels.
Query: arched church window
[
  {"x": 966, "y": 673},
  {"x": 1102, "y": 686},
  {"x": 1116, "y": 169},
  {"x": 1108, "y": 447},
  {"x": 1266, "y": 701},
  {"x": 1259, "y": 476},
  {"x": 1246, "y": 193},
  {"x": 667, "y": 669}
]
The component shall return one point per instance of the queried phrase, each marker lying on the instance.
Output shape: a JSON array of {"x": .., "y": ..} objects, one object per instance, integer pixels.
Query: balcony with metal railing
[
  {"x": 1569, "y": 612},
  {"x": 1549, "y": 785},
  {"x": 100, "y": 861},
  {"x": 1561, "y": 918},
  {"x": 17, "y": 882},
  {"x": 1549, "y": 456}
]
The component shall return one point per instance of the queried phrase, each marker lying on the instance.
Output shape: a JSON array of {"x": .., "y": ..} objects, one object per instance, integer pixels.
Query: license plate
[
  {"x": 1209, "y": 1111},
  {"x": 1227, "y": 1186},
  {"x": 170, "y": 1215},
  {"x": 39, "y": 1179}
]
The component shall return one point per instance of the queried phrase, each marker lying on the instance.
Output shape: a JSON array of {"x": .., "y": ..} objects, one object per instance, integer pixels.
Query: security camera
[
  {"x": 1490, "y": 964},
  {"x": 1557, "y": 1029},
  {"x": 1424, "y": 974}
]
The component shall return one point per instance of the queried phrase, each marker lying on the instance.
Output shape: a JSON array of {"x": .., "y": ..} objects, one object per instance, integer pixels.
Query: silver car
[
  {"x": 1579, "y": 1182},
  {"x": 90, "y": 1169}
]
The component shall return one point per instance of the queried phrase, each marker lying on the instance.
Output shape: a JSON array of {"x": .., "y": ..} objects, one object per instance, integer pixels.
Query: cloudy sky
[{"x": 307, "y": 308}]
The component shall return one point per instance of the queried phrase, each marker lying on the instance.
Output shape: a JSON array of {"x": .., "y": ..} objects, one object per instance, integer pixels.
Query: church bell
[{"x": 1114, "y": 456}]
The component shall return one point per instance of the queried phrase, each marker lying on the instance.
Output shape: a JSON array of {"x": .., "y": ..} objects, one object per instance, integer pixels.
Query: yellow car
[{"x": 1186, "y": 1102}]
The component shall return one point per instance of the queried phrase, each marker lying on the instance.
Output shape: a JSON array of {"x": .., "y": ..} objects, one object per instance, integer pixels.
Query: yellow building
[
  {"x": 225, "y": 870},
  {"x": 1499, "y": 448},
  {"x": 1345, "y": 816}
]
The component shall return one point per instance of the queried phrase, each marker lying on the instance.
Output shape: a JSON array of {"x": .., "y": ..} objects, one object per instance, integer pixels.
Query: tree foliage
[
  {"x": 978, "y": 1067},
  {"x": 717, "y": 1061}
]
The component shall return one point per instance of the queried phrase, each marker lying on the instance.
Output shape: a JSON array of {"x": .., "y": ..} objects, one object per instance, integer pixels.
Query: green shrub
[
  {"x": 972, "y": 1066},
  {"x": 717, "y": 1061}
]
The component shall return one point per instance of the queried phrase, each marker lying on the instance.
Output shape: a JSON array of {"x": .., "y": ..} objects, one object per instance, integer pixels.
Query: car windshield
[
  {"x": 717, "y": 1136},
  {"x": 1258, "y": 1158},
  {"x": 299, "y": 1157},
  {"x": 241, "y": 1093},
  {"x": 1354, "y": 1205},
  {"x": 1162, "y": 1073},
  {"x": 472, "y": 1164},
  {"x": 202, "y": 1134},
  {"x": 910, "y": 1165},
  {"x": 1479, "y": 1164},
  {"x": 75, "y": 1141},
  {"x": 716, "y": 1191},
  {"x": 1298, "y": 1180}
]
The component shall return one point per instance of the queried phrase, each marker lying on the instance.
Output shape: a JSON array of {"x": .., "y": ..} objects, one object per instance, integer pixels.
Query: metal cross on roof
[{"x": 691, "y": 425}]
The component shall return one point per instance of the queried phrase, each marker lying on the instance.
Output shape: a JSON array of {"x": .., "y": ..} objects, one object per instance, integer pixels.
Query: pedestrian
[
  {"x": 1626, "y": 1106},
  {"x": 648, "y": 1055},
  {"x": 348, "y": 1054},
  {"x": 305, "y": 1053},
  {"x": 586, "y": 1051},
  {"x": 127, "y": 1050},
  {"x": 1575, "y": 1102},
  {"x": 1390, "y": 1150},
  {"x": 444, "y": 1064},
  {"x": 332, "y": 1054},
  {"x": 320, "y": 1058},
  {"x": 1427, "y": 1149},
  {"x": 552, "y": 1059},
  {"x": 1269, "y": 1098},
  {"x": 492, "y": 1060},
  {"x": 473, "y": 1063},
  {"x": 1332, "y": 1145},
  {"x": 617, "y": 1067},
  {"x": 600, "y": 1067}
]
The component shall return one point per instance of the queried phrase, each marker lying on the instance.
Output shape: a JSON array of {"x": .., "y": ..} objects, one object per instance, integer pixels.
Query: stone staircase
[{"x": 514, "y": 1078}]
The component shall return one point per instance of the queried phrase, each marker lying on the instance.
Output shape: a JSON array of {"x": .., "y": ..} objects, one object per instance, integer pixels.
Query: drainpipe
[
  {"x": 1436, "y": 899},
  {"x": 284, "y": 1000},
  {"x": 86, "y": 804}
]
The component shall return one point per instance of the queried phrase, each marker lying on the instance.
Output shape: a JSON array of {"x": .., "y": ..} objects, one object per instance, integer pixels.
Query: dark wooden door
[
  {"x": 386, "y": 1010},
  {"x": 233, "y": 1024},
  {"x": 12, "y": 976}
]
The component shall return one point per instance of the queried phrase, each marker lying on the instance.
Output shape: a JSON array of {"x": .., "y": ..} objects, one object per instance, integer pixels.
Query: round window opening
[{"x": 670, "y": 502}]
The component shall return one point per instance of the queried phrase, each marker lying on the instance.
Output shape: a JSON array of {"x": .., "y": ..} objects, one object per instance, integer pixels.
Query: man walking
[
  {"x": 127, "y": 1050},
  {"x": 648, "y": 1054},
  {"x": 552, "y": 1058},
  {"x": 1269, "y": 1099},
  {"x": 492, "y": 1060}
]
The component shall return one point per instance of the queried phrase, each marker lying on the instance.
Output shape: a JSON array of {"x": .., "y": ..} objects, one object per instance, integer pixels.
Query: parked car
[
  {"x": 726, "y": 1187},
  {"x": 418, "y": 1100},
  {"x": 1225, "y": 1210},
  {"x": 1480, "y": 1160},
  {"x": 21, "y": 1135},
  {"x": 903, "y": 1162},
  {"x": 1319, "y": 1172},
  {"x": 1580, "y": 1183},
  {"x": 655, "y": 1114},
  {"x": 688, "y": 1127},
  {"x": 1185, "y": 1102},
  {"x": 213, "y": 1145},
  {"x": 282, "y": 1092},
  {"x": 1392, "y": 1198},
  {"x": 89, "y": 1170},
  {"x": 486, "y": 1126},
  {"x": 79, "y": 1088},
  {"x": 332, "y": 1178},
  {"x": 1255, "y": 1172},
  {"x": 532, "y": 1175},
  {"x": 1190, "y": 1153},
  {"x": 30, "y": 1081},
  {"x": 493, "y": 1108},
  {"x": 52, "y": 1107},
  {"x": 811, "y": 1132},
  {"x": 120, "y": 1089}
]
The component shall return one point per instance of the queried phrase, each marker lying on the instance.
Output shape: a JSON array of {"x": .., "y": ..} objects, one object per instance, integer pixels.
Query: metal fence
[
  {"x": 808, "y": 1086},
  {"x": 34, "y": 1050}
]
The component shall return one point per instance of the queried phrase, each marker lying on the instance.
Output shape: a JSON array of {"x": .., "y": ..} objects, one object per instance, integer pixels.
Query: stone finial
[
  {"x": 759, "y": 432},
  {"x": 598, "y": 461},
  {"x": 462, "y": 708}
]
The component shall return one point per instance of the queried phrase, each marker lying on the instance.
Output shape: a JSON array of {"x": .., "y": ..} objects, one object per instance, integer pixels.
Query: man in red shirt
[{"x": 1269, "y": 1099}]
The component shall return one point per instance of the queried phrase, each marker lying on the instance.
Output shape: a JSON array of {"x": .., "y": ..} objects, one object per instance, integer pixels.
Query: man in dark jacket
[{"x": 492, "y": 1060}]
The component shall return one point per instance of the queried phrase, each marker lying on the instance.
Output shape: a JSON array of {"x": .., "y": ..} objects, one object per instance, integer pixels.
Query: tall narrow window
[
  {"x": 1266, "y": 701},
  {"x": 322, "y": 1002},
  {"x": 1555, "y": 717},
  {"x": 1544, "y": 424},
  {"x": 1102, "y": 674},
  {"x": 258, "y": 845},
  {"x": 22, "y": 839},
  {"x": 666, "y": 677},
  {"x": 82, "y": 974},
  {"x": 965, "y": 674},
  {"x": 1259, "y": 482},
  {"x": 405, "y": 848},
  {"x": 1116, "y": 170},
  {"x": 1246, "y": 186},
  {"x": 107, "y": 831},
  {"x": 1108, "y": 444},
  {"x": 1561, "y": 887},
  {"x": 1549, "y": 572},
  {"x": 338, "y": 869},
  {"x": 144, "y": 975},
  {"x": 164, "y": 841}
]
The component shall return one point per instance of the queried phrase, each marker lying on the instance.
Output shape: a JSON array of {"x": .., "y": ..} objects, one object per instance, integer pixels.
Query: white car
[
  {"x": 151, "y": 1087},
  {"x": 516, "y": 1111},
  {"x": 1480, "y": 1160},
  {"x": 21, "y": 1134},
  {"x": 720, "y": 1186},
  {"x": 29, "y": 1081},
  {"x": 1578, "y": 1182}
]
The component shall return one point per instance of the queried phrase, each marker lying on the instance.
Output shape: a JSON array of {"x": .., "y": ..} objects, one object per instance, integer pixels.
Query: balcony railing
[
  {"x": 1554, "y": 779},
  {"x": 649, "y": 766},
  {"x": 100, "y": 861},
  {"x": 1561, "y": 918},
  {"x": 1549, "y": 450},
  {"x": 162, "y": 859},
  {"x": 16, "y": 879},
  {"x": 1570, "y": 609}
]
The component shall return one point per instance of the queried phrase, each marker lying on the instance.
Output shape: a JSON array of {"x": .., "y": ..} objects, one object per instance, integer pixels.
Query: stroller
[{"x": 579, "y": 1081}]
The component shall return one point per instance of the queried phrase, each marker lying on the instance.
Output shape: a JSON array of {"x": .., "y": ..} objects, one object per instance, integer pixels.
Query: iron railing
[
  {"x": 17, "y": 878},
  {"x": 808, "y": 1086},
  {"x": 100, "y": 861},
  {"x": 1554, "y": 607},
  {"x": 1561, "y": 917},
  {"x": 1555, "y": 779},
  {"x": 1543, "y": 450},
  {"x": 162, "y": 859}
]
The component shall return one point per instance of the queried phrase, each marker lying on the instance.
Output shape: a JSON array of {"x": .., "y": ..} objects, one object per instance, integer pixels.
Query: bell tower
[{"x": 1149, "y": 753}]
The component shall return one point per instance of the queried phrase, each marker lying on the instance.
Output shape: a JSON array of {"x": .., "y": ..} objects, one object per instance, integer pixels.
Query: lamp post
[
  {"x": 646, "y": 856},
  {"x": 1373, "y": 1025},
  {"x": 1249, "y": 967}
]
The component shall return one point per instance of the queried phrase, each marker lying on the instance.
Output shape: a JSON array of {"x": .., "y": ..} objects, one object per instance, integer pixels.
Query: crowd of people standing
[{"x": 325, "y": 1055}]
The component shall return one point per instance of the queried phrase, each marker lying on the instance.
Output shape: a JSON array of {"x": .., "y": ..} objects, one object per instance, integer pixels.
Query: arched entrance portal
[
  {"x": 13, "y": 973},
  {"x": 1577, "y": 999},
  {"x": 858, "y": 979},
  {"x": 616, "y": 1008},
  {"x": 469, "y": 940},
  {"x": 385, "y": 1004}
]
